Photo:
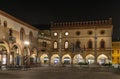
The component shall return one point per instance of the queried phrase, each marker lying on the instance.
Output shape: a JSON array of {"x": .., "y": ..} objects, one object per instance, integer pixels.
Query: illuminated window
[
  {"x": 55, "y": 45},
  {"x": 102, "y": 44},
  {"x": 66, "y": 33},
  {"x": 66, "y": 44},
  {"x": 90, "y": 45},
  {"x": 55, "y": 34}
]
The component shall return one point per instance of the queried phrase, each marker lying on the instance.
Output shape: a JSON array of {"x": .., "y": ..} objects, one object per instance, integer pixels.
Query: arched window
[
  {"x": 30, "y": 36},
  {"x": 22, "y": 33},
  {"x": 55, "y": 45},
  {"x": 102, "y": 44},
  {"x": 5, "y": 23},
  {"x": 66, "y": 44},
  {"x": 90, "y": 45},
  {"x": 77, "y": 46}
]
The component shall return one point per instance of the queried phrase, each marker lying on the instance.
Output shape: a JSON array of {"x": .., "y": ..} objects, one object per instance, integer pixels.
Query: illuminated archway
[
  {"x": 55, "y": 59},
  {"x": 102, "y": 59},
  {"x": 33, "y": 57},
  {"x": 66, "y": 59},
  {"x": 90, "y": 59},
  {"x": 4, "y": 50},
  {"x": 78, "y": 59},
  {"x": 15, "y": 55},
  {"x": 44, "y": 59}
]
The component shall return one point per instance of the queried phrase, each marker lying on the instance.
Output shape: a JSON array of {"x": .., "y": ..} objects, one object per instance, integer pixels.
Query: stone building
[
  {"x": 67, "y": 43},
  {"x": 82, "y": 42},
  {"x": 18, "y": 41}
]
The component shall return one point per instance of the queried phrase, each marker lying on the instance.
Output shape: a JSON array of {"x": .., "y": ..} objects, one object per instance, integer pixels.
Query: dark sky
[{"x": 39, "y": 12}]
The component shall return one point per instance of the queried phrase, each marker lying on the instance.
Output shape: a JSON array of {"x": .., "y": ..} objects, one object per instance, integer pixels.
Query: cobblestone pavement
[{"x": 61, "y": 73}]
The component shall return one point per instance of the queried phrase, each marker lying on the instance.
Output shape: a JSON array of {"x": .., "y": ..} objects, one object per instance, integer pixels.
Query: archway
[
  {"x": 4, "y": 49},
  {"x": 3, "y": 55},
  {"x": 66, "y": 59},
  {"x": 55, "y": 59},
  {"x": 78, "y": 59},
  {"x": 102, "y": 59},
  {"x": 90, "y": 59},
  {"x": 33, "y": 57},
  {"x": 44, "y": 59},
  {"x": 15, "y": 55}
]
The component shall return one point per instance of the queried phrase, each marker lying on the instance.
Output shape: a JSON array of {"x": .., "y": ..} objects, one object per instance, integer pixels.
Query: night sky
[{"x": 42, "y": 12}]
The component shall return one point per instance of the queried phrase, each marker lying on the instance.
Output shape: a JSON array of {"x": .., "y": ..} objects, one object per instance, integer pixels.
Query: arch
[
  {"x": 66, "y": 59},
  {"x": 6, "y": 45},
  {"x": 102, "y": 59},
  {"x": 55, "y": 59},
  {"x": 3, "y": 55},
  {"x": 90, "y": 59},
  {"x": 26, "y": 51},
  {"x": 77, "y": 59},
  {"x": 31, "y": 36},
  {"x": 66, "y": 44},
  {"x": 33, "y": 57},
  {"x": 44, "y": 59},
  {"x": 22, "y": 34},
  {"x": 15, "y": 55},
  {"x": 55, "y": 45}
]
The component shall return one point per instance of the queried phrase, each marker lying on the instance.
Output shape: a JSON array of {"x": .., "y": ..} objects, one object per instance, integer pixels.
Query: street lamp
[{"x": 26, "y": 43}]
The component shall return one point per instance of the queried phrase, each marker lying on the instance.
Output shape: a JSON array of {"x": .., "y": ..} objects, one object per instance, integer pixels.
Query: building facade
[
  {"x": 67, "y": 43},
  {"x": 18, "y": 41},
  {"x": 82, "y": 42},
  {"x": 116, "y": 52}
]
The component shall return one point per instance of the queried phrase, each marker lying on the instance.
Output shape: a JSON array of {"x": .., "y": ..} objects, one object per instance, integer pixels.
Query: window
[
  {"x": 90, "y": 45},
  {"x": 55, "y": 45},
  {"x": 89, "y": 32},
  {"x": 102, "y": 44},
  {"x": 78, "y": 33},
  {"x": 66, "y": 33},
  {"x": 5, "y": 23},
  {"x": 22, "y": 32},
  {"x": 117, "y": 51},
  {"x": 30, "y": 36},
  {"x": 44, "y": 44},
  {"x": 66, "y": 44},
  {"x": 102, "y": 32}
]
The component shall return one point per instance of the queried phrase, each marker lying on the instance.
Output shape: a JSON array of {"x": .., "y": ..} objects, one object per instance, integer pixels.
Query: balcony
[{"x": 11, "y": 39}]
